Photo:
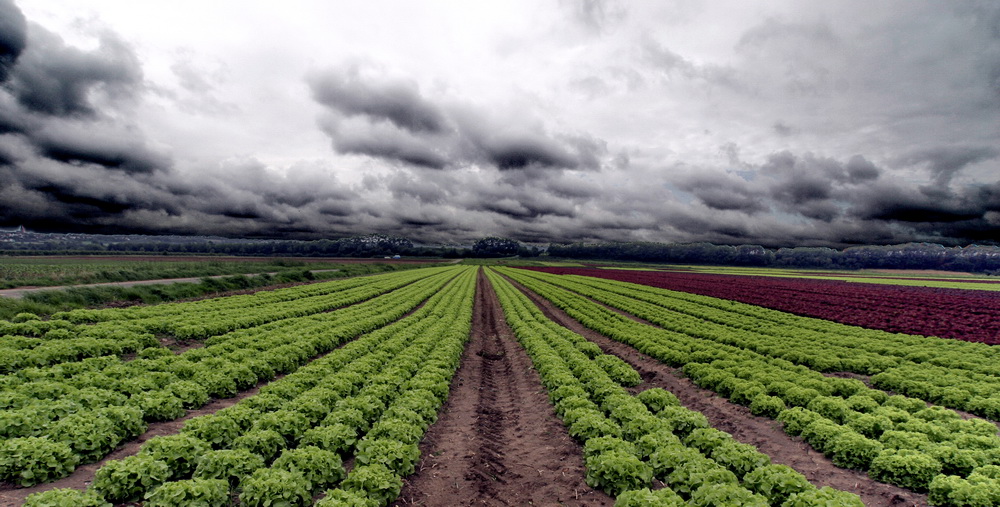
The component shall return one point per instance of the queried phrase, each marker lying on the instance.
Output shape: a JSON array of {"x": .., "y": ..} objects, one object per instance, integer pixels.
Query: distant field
[
  {"x": 912, "y": 278},
  {"x": 972, "y": 315},
  {"x": 77, "y": 270}
]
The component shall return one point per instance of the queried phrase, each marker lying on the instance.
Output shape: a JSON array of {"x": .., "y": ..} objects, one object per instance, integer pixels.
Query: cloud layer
[{"x": 774, "y": 124}]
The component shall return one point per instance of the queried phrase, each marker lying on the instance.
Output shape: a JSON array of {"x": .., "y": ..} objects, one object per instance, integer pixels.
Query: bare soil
[
  {"x": 498, "y": 440},
  {"x": 766, "y": 434}
]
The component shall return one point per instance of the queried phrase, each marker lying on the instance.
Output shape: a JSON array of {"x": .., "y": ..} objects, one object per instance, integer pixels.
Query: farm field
[
  {"x": 971, "y": 315},
  {"x": 47, "y": 271},
  {"x": 913, "y": 278},
  {"x": 467, "y": 385}
]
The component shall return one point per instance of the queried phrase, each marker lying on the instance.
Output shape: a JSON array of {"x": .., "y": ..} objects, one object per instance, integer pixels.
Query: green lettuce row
[
  {"x": 245, "y": 301},
  {"x": 964, "y": 378},
  {"x": 882, "y": 350},
  {"x": 51, "y": 351},
  {"x": 385, "y": 387},
  {"x": 77, "y": 342},
  {"x": 857, "y": 426},
  {"x": 200, "y": 322},
  {"x": 678, "y": 357},
  {"x": 972, "y": 392},
  {"x": 628, "y": 440},
  {"x": 165, "y": 387}
]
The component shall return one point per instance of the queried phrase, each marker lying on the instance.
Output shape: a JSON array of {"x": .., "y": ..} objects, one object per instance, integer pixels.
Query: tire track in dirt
[
  {"x": 498, "y": 440},
  {"x": 764, "y": 433}
]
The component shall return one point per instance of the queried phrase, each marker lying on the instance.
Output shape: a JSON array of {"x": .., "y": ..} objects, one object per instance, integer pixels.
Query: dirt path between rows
[
  {"x": 498, "y": 440},
  {"x": 764, "y": 433}
]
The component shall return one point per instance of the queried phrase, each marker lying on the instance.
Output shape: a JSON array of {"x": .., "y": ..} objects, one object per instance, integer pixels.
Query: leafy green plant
[
  {"x": 343, "y": 498},
  {"x": 825, "y": 496},
  {"x": 656, "y": 399},
  {"x": 707, "y": 439},
  {"x": 954, "y": 491},
  {"x": 668, "y": 458},
  {"x": 200, "y": 492},
  {"x": 776, "y": 482},
  {"x": 397, "y": 456},
  {"x": 266, "y": 443},
  {"x": 128, "y": 479},
  {"x": 598, "y": 445},
  {"x": 896, "y": 439},
  {"x": 33, "y": 460},
  {"x": 957, "y": 461},
  {"x": 821, "y": 433},
  {"x": 853, "y": 450},
  {"x": 796, "y": 419},
  {"x": 65, "y": 497},
  {"x": 833, "y": 408},
  {"x": 689, "y": 477},
  {"x": 376, "y": 481},
  {"x": 231, "y": 465},
  {"x": 89, "y": 435},
  {"x": 684, "y": 421},
  {"x": 396, "y": 429},
  {"x": 217, "y": 430},
  {"x": 713, "y": 495},
  {"x": 271, "y": 487},
  {"x": 616, "y": 471},
  {"x": 592, "y": 425},
  {"x": 905, "y": 468},
  {"x": 191, "y": 394},
  {"x": 321, "y": 468},
  {"x": 128, "y": 421},
  {"x": 870, "y": 425},
  {"x": 645, "y": 497},
  {"x": 158, "y": 405},
  {"x": 739, "y": 458},
  {"x": 618, "y": 370},
  {"x": 337, "y": 438},
  {"x": 180, "y": 452},
  {"x": 766, "y": 406}
]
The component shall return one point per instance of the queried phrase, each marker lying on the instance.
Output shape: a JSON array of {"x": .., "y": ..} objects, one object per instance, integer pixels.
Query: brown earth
[
  {"x": 498, "y": 440},
  {"x": 766, "y": 434}
]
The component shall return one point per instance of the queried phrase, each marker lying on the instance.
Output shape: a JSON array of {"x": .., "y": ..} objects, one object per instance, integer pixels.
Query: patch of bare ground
[
  {"x": 11, "y": 495},
  {"x": 498, "y": 440},
  {"x": 764, "y": 433}
]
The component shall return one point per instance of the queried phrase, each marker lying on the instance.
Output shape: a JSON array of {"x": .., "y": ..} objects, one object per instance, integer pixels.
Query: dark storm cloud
[
  {"x": 945, "y": 162},
  {"x": 381, "y": 141},
  {"x": 859, "y": 169},
  {"x": 724, "y": 193},
  {"x": 395, "y": 101},
  {"x": 82, "y": 147},
  {"x": 12, "y": 36},
  {"x": 370, "y": 114},
  {"x": 55, "y": 79},
  {"x": 513, "y": 153}
]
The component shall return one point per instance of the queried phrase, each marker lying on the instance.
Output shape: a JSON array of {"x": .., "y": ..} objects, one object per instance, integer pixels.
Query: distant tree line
[{"x": 973, "y": 258}]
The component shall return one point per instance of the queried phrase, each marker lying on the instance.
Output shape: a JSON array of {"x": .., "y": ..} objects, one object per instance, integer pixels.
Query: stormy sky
[{"x": 781, "y": 123}]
